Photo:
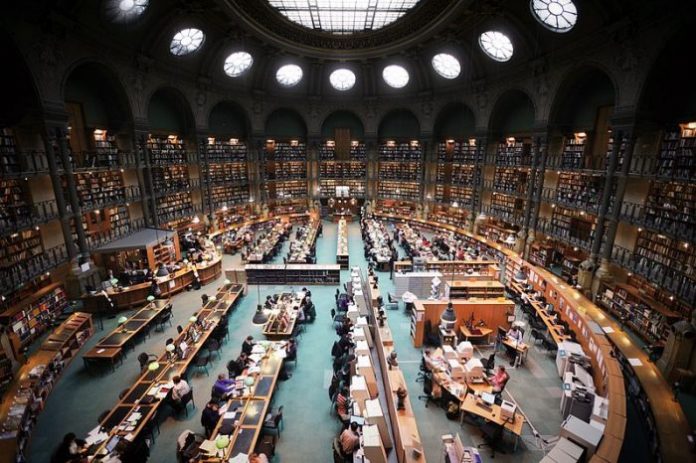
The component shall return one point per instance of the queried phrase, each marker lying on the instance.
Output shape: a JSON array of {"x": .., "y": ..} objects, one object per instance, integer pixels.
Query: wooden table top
[
  {"x": 484, "y": 331},
  {"x": 492, "y": 413}
]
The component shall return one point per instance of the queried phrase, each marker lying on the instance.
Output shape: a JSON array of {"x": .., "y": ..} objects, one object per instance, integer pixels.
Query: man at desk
[
  {"x": 248, "y": 345},
  {"x": 350, "y": 439},
  {"x": 514, "y": 334},
  {"x": 499, "y": 380},
  {"x": 180, "y": 389},
  {"x": 223, "y": 386}
]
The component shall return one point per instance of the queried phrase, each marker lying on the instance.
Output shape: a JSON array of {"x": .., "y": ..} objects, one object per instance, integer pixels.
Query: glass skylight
[
  {"x": 289, "y": 75},
  {"x": 342, "y": 79},
  {"x": 395, "y": 76},
  {"x": 446, "y": 65},
  {"x": 186, "y": 41},
  {"x": 343, "y": 16},
  {"x": 237, "y": 63},
  {"x": 496, "y": 45},
  {"x": 557, "y": 15},
  {"x": 125, "y": 10}
]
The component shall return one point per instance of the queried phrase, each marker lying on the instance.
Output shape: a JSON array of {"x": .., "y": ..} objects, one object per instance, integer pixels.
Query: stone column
[
  {"x": 204, "y": 174},
  {"x": 540, "y": 160},
  {"x": 477, "y": 196},
  {"x": 149, "y": 193},
  {"x": 142, "y": 164}
]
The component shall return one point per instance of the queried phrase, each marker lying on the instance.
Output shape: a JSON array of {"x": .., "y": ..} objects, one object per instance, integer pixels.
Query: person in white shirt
[
  {"x": 515, "y": 334},
  {"x": 180, "y": 389}
]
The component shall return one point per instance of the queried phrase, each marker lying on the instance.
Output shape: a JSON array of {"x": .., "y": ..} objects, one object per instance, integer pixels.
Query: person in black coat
[
  {"x": 210, "y": 417},
  {"x": 248, "y": 345}
]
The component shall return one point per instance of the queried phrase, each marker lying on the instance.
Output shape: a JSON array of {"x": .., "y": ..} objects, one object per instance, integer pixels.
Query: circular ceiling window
[
  {"x": 238, "y": 63},
  {"x": 186, "y": 41},
  {"x": 289, "y": 75},
  {"x": 395, "y": 76},
  {"x": 342, "y": 79},
  {"x": 556, "y": 15},
  {"x": 496, "y": 45},
  {"x": 343, "y": 17},
  {"x": 446, "y": 65},
  {"x": 125, "y": 10}
]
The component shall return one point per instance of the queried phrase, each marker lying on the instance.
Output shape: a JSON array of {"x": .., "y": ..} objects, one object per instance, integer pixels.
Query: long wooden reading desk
[
  {"x": 136, "y": 295},
  {"x": 110, "y": 347},
  {"x": 599, "y": 335},
  {"x": 140, "y": 404}
]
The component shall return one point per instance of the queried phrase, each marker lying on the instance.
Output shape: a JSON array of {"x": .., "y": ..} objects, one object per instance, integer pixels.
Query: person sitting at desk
[
  {"x": 499, "y": 380},
  {"x": 309, "y": 310},
  {"x": 248, "y": 345},
  {"x": 180, "y": 389},
  {"x": 350, "y": 439},
  {"x": 223, "y": 386},
  {"x": 269, "y": 304},
  {"x": 210, "y": 417},
  {"x": 343, "y": 404},
  {"x": 515, "y": 334},
  {"x": 68, "y": 450},
  {"x": 258, "y": 458}
]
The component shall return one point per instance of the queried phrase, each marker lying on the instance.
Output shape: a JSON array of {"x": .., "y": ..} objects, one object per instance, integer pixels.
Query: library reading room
[{"x": 473, "y": 220}]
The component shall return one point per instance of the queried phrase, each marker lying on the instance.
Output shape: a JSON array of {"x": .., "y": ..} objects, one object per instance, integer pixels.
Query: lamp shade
[
  {"x": 114, "y": 281},
  {"x": 193, "y": 319},
  {"x": 448, "y": 316},
  {"x": 260, "y": 316},
  {"x": 170, "y": 348},
  {"x": 150, "y": 298},
  {"x": 212, "y": 298},
  {"x": 186, "y": 261},
  {"x": 162, "y": 271},
  {"x": 122, "y": 320},
  {"x": 153, "y": 366},
  {"x": 227, "y": 281},
  {"x": 222, "y": 442},
  {"x": 249, "y": 381}
]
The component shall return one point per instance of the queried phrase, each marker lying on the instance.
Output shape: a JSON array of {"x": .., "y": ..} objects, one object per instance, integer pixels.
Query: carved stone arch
[
  {"x": 184, "y": 99},
  {"x": 499, "y": 98},
  {"x": 118, "y": 84}
]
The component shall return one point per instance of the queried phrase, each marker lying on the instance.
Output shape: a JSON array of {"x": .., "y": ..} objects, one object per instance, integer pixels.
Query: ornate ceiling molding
[{"x": 425, "y": 20}]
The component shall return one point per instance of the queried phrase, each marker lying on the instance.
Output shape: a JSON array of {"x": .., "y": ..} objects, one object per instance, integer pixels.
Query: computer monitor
[
  {"x": 359, "y": 420},
  {"x": 488, "y": 398},
  {"x": 111, "y": 445}
]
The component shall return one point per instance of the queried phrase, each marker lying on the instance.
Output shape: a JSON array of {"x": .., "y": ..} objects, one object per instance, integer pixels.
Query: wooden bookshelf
[
  {"x": 646, "y": 316},
  {"x": 511, "y": 181},
  {"x": 667, "y": 261},
  {"x": 569, "y": 266},
  {"x": 357, "y": 188},
  {"x": 35, "y": 380},
  {"x": 9, "y": 161},
  {"x": 98, "y": 188},
  {"x": 396, "y": 207},
  {"x": 226, "y": 151},
  {"x": 573, "y": 155},
  {"x": 508, "y": 208},
  {"x": 540, "y": 254},
  {"x": 579, "y": 190},
  {"x": 15, "y": 203},
  {"x": 33, "y": 316},
  {"x": 285, "y": 170},
  {"x": 676, "y": 155},
  {"x": 174, "y": 206},
  {"x": 165, "y": 151},
  {"x": 670, "y": 207},
  {"x": 293, "y": 150},
  {"x": 293, "y": 274},
  {"x": 514, "y": 152},
  {"x": 18, "y": 249},
  {"x": 574, "y": 226},
  {"x": 400, "y": 171},
  {"x": 221, "y": 196}
]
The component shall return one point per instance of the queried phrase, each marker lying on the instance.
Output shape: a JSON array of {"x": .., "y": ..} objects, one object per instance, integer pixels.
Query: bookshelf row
[
  {"x": 166, "y": 151},
  {"x": 286, "y": 189},
  {"x": 226, "y": 151},
  {"x": 97, "y": 188},
  {"x": 400, "y": 152},
  {"x": 32, "y": 317},
  {"x": 227, "y": 195},
  {"x": 454, "y": 194},
  {"x": 287, "y": 151},
  {"x": 463, "y": 152},
  {"x": 580, "y": 190},
  {"x": 284, "y": 170},
  {"x": 357, "y": 187},
  {"x": 455, "y": 173},
  {"x": 406, "y": 171},
  {"x": 514, "y": 152},
  {"x": 357, "y": 152},
  {"x": 410, "y": 191},
  {"x": 677, "y": 155},
  {"x": 343, "y": 169},
  {"x": 509, "y": 180},
  {"x": 174, "y": 206},
  {"x": 229, "y": 172}
]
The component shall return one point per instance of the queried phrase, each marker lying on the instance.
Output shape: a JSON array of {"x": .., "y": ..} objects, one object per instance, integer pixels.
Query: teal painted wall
[
  {"x": 285, "y": 123},
  {"x": 514, "y": 113},
  {"x": 166, "y": 112},
  {"x": 94, "y": 105},
  {"x": 399, "y": 124},
  {"x": 578, "y": 109},
  {"x": 228, "y": 120},
  {"x": 343, "y": 120},
  {"x": 455, "y": 121}
]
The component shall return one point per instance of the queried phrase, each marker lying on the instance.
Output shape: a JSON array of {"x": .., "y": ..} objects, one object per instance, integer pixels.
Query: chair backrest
[
  {"x": 202, "y": 359},
  {"x": 143, "y": 359},
  {"x": 390, "y": 298},
  {"x": 213, "y": 344},
  {"x": 188, "y": 397},
  {"x": 491, "y": 361},
  {"x": 279, "y": 416}
]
